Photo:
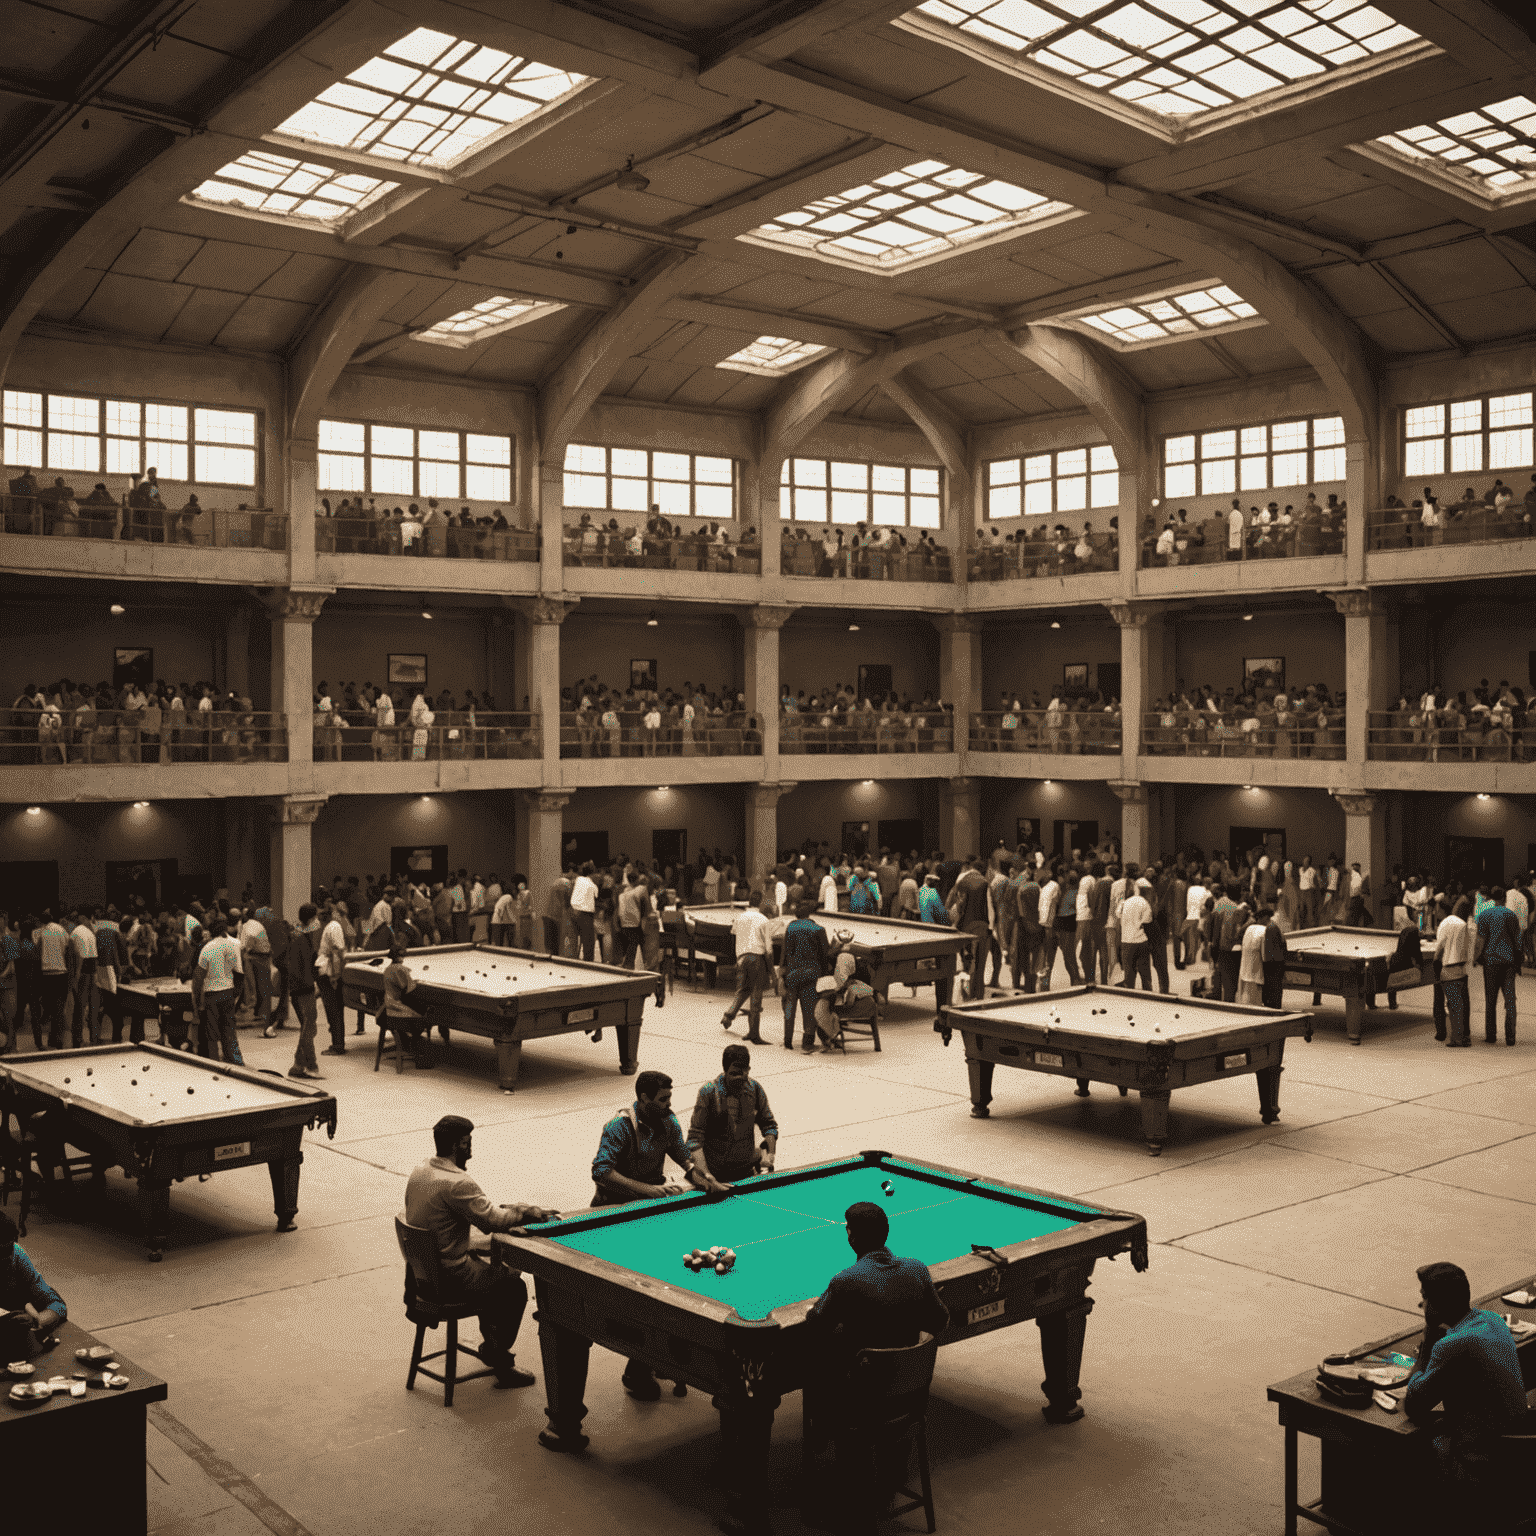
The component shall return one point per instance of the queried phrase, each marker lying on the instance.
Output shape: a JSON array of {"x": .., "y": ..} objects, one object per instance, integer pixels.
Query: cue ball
[{"x": 721, "y": 1267}]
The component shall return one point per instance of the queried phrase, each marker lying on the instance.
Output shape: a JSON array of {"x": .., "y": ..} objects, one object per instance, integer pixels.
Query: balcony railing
[
  {"x": 1208, "y": 542},
  {"x": 1317, "y": 734},
  {"x": 818, "y": 733},
  {"x": 1445, "y": 736},
  {"x": 194, "y": 527},
  {"x": 1459, "y": 522},
  {"x": 453, "y": 736},
  {"x": 600, "y": 549},
  {"x": 810, "y": 557},
  {"x": 48, "y": 738},
  {"x": 1093, "y": 731},
  {"x": 1027, "y": 557},
  {"x": 583, "y": 734},
  {"x": 444, "y": 541}
]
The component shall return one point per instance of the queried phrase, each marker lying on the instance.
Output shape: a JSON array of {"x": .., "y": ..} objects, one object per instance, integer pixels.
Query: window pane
[
  {"x": 1328, "y": 464},
  {"x": 810, "y": 472},
  {"x": 1287, "y": 436},
  {"x": 236, "y": 427},
  {"x": 1255, "y": 439},
  {"x": 392, "y": 477},
  {"x": 23, "y": 450},
  {"x": 226, "y": 466},
  {"x": 1072, "y": 495},
  {"x": 1425, "y": 420},
  {"x": 892, "y": 478},
  {"x": 1104, "y": 490},
  {"x": 671, "y": 466},
  {"x": 480, "y": 449},
  {"x": 672, "y": 498},
  {"x": 1218, "y": 445},
  {"x": 1218, "y": 476},
  {"x": 714, "y": 500},
  {"x": 1038, "y": 467},
  {"x": 889, "y": 509},
  {"x": 1072, "y": 461},
  {"x": 1003, "y": 472},
  {"x": 1327, "y": 431},
  {"x": 123, "y": 417},
  {"x": 1509, "y": 450},
  {"x": 397, "y": 442},
  {"x": 1003, "y": 500},
  {"x": 585, "y": 491},
  {"x": 713, "y": 471},
  {"x": 72, "y": 413},
  {"x": 1426, "y": 458},
  {"x": 786, "y": 510},
  {"x": 487, "y": 482},
  {"x": 339, "y": 472},
  {"x": 583, "y": 456},
  {"x": 925, "y": 511},
  {"x": 125, "y": 456},
  {"x": 170, "y": 460},
  {"x": 343, "y": 437},
  {"x": 849, "y": 506},
  {"x": 1256, "y": 474},
  {"x": 852, "y": 477},
  {"x": 67, "y": 451},
  {"x": 1178, "y": 450},
  {"x": 438, "y": 445},
  {"x": 171, "y": 421},
  {"x": 1037, "y": 498},
  {"x": 23, "y": 409},
  {"x": 1103, "y": 458},
  {"x": 923, "y": 481},
  {"x": 634, "y": 462},
  {"x": 1466, "y": 415},
  {"x": 439, "y": 479},
  {"x": 1179, "y": 480},
  {"x": 631, "y": 495},
  {"x": 810, "y": 504},
  {"x": 1509, "y": 410},
  {"x": 1290, "y": 469},
  {"x": 1466, "y": 453}
]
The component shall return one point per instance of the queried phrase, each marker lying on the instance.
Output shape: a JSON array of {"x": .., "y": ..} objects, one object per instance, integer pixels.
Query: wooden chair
[
  {"x": 29, "y": 1158},
  {"x": 426, "y": 1308},
  {"x": 859, "y": 1029},
  {"x": 1517, "y": 1452},
  {"x": 391, "y": 1030}
]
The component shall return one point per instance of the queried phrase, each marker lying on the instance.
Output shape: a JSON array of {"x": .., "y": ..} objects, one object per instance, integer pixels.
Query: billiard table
[
  {"x": 1352, "y": 963},
  {"x": 898, "y": 952},
  {"x": 1144, "y": 1040},
  {"x": 509, "y": 996},
  {"x": 162, "y": 1116},
  {"x": 166, "y": 1000},
  {"x": 999, "y": 1254}
]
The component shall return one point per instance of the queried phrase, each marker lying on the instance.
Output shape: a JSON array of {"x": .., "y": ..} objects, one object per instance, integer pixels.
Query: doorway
[
  {"x": 429, "y": 864},
  {"x": 152, "y": 881},
  {"x": 30, "y": 885},
  {"x": 669, "y": 846},
  {"x": 582, "y": 847},
  {"x": 1073, "y": 837},
  {"x": 1474, "y": 861},
  {"x": 1270, "y": 840},
  {"x": 901, "y": 836},
  {"x": 1107, "y": 675},
  {"x": 874, "y": 682},
  {"x": 856, "y": 838}
]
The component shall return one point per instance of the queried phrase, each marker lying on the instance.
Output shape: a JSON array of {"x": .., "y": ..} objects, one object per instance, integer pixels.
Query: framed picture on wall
[
  {"x": 418, "y": 864},
  {"x": 1074, "y": 675},
  {"x": 1264, "y": 674},
  {"x": 1026, "y": 829},
  {"x": 642, "y": 675},
  {"x": 411, "y": 670},
  {"x": 133, "y": 664}
]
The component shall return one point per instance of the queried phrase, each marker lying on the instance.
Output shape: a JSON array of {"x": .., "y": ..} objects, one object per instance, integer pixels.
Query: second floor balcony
[
  {"x": 850, "y": 733},
  {"x": 439, "y": 538},
  {"x": 1073, "y": 728},
  {"x": 53, "y": 738},
  {"x": 802, "y": 554},
  {"x": 1215, "y": 540},
  {"x": 591, "y": 733},
  {"x": 114, "y": 521},
  {"x": 1053, "y": 552},
  {"x": 1451, "y": 523},
  {"x": 1315, "y": 734},
  {"x": 1450, "y": 735},
  {"x": 452, "y": 736}
]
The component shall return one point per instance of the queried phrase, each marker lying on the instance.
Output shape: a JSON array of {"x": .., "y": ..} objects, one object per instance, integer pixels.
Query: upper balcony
[
  {"x": 884, "y": 733},
  {"x": 1215, "y": 556},
  {"x": 1476, "y": 751},
  {"x": 1463, "y": 539}
]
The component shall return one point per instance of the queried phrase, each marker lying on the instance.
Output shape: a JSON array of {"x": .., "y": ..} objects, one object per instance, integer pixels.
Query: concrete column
[
  {"x": 237, "y": 650},
  {"x": 544, "y": 812},
  {"x": 292, "y": 880},
  {"x": 960, "y": 818},
  {"x": 550, "y": 512},
  {"x": 960, "y": 675},
  {"x": 1370, "y": 668},
  {"x": 1138, "y": 822},
  {"x": 1362, "y": 491},
  {"x": 761, "y": 840},
  {"x": 537, "y": 670},
  {"x": 760, "y": 668},
  {"x": 293, "y": 615},
  {"x": 760, "y": 510},
  {"x": 1365, "y": 838},
  {"x": 1144, "y": 653},
  {"x": 302, "y": 496}
]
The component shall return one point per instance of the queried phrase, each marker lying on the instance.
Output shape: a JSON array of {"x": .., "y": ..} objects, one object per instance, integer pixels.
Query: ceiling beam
[
  {"x": 946, "y": 434},
  {"x": 776, "y": 30},
  {"x": 757, "y": 321}
]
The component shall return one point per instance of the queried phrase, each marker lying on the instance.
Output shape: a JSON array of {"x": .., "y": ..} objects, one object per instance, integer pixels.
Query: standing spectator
[
  {"x": 584, "y": 910},
  {"x": 299, "y": 968},
  {"x": 256, "y": 958},
  {"x": 630, "y": 911},
  {"x": 1453, "y": 951},
  {"x": 1135, "y": 920},
  {"x": 1497, "y": 950},
  {"x": 504, "y": 921},
  {"x": 215, "y": 989},
  {"x": 86, "y": 1021},
  {"x": 749, "y": 929},
  {"x": 458, "y": 892},
  {"x": 807, "y": 958},
  {"x": 52, "y": 941},
  {"x": 967, "y": 908},
  {"x": 328, "y": 967},
  {"x": 1274, "y": 958}
]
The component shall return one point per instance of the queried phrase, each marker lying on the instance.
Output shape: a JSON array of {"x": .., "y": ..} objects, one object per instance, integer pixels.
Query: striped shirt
[{"x": 221, "y": 960}]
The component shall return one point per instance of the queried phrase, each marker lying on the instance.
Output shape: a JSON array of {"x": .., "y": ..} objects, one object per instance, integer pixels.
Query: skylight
[
  {"x": 262, "y": 182},
  {"x": 773, "y": 356},
  {"x": 924, "y": 210},
  {"x": 428, "y": 100},
  {"x": 1179, "y": 58},
  {"x": 1184, "y": 314},
  {"x": 488, "y": 318},
  {"x": 1493, "y": 149}
]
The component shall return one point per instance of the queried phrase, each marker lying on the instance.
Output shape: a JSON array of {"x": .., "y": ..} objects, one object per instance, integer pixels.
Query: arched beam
[
  {"x": 574, "y": 386},
  {"x": 945, "y": 434}
]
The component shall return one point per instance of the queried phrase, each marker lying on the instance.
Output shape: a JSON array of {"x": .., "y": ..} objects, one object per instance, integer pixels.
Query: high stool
[{"x": 427, "y": 1309}]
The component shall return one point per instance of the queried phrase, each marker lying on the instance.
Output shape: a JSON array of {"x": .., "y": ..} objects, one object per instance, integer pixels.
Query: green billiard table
[{"x": 999, "y": 1254}]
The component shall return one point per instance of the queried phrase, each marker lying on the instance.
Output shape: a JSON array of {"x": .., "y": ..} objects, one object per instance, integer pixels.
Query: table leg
[
  {"x": 1081, "y": 1091},
  {"x": 629, "y": 1048},
  {"x": 1290, "y": 1480},
  {"x": 155, "y": 1213},
  {"x": 980, "y": 1073},
  {"x": 1154, "y": 1118},
  {"x": 1354, "y": 1014},
  {"x": 1061, "y": 1348},
  {"x": 565, "y": 1357},
  {"x": 284, "y": 1173},
  {"x": 1269, "y": 1092},
  {"x": 746, "y": 1426},
  {"x": 509, "y": 1057}
]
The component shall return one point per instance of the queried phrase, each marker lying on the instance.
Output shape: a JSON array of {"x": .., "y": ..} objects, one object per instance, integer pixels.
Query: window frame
[
  {"x": 1244, "y": 452},
  {"x": 190, "y": 443},
  {"x": 416, "y": 459},
  {"x": 651, "y": 481},
  {"x": 1056, "y": 510},
  {"x": 787, "y": 483},
  {"x": 1447, "y": 436}
]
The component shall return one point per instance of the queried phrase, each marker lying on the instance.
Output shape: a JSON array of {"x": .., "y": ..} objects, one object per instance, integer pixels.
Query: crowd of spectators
[
  {"x": 1263, "y": 719},
  {"x": 1271, "y": 532},
  {"x": 354, "y": 527},
  {"x": 142, "y": 513},
  {"x": 659, "y": 544},
  {"x": 1474, "y": 517},
  {"x": 836, "y": 719},
  {"x": 1041, "y": 548},
  {"x": 863, "y": 552},
  {"x": 1074, "y": 722},
  {"x": 392, "y": 724},
  {"x": 1485, "y": 724},
  {"x": 694, "y": 721}
]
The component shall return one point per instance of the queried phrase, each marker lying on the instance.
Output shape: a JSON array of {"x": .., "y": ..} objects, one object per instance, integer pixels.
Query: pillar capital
[
  {"x": 295, "y": 602},
  {"x": 543, "y": 610},
  {"x": 1358, "y": 603},
  {"x": 1128, "y": 791},
  {"x": 298, "y": 810},
  {"x": 765, "y": 616},
  {"x": 546, "y": 800},
  {"x": 1355, "y": 802},
  {"x": 955, "y": 623},
  {"x": 961, "y": 785},
  {"x": 1133, "y": 615},
  {"x": 764, "y": 797}
]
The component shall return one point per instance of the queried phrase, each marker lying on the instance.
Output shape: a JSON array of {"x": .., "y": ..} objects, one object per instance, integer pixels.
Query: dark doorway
[
  {"x": 1073, "y": 836},
  {"x": 1026, "y": 830},
  {"x": 30, "y": 885},
  {"x": 418, "y": 864},
  {"x": 153, "y": 881},
  {"x": 1107, "y": 676},
  {"x": 669, "y": 846},
  {"x": 579, "y": 847},
  {"x": 856, "y": 838},
  {"x": 904, "y": 836},
  {"x": 874, "y": 682},
  {"x": 1270, "y": 840},
  {"x": 1474, "y": 861}
]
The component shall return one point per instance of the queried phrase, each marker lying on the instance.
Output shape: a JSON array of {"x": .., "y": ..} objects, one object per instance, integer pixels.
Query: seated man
[
  {"x": 726, "y": 1114},
  {"x": 1467, "y": 1365},
  {"x": 34, "y": 1306},
  {"x": 442, "y": 1198},
  {"x": 851, "y": 996},
  {"x": 398, "y": 981}
]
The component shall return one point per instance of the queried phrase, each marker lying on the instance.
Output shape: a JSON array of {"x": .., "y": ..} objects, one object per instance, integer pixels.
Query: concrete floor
[{"x": 286, "y": 1354}]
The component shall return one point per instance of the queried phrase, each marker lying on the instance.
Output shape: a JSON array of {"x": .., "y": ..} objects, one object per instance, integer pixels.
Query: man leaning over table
[{"x": 728, "y": 1114}]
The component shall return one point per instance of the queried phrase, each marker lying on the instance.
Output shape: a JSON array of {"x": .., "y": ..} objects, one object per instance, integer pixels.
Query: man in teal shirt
[{"x": 1497, "y": 949}]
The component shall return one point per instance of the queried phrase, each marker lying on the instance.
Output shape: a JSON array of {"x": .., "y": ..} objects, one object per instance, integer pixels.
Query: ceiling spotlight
[
  {"x": 629, "y": 179},
  {"x": 652, "y": 622},
  {"x": 1247, "y": 618},
  {"x": 117, "y": 610},
  {"x": 853, "y": 629},
  {"x": 1485, "y": 797},
  {"x": 426, "y": 613},
  {"x": 1047, "y": 782},
  {"x": 141, "y": 805},
  {"x": 1248, "y": 787},
  {"x": 1055, "y": 623},
  {"x": 34, "y": 810},
  {"x": 662, "y": 789}
]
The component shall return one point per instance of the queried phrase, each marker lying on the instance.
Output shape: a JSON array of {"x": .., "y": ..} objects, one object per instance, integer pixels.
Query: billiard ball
[
  {"x": 888, "y": 1187},
  {"x": 721, "y": 1267}
]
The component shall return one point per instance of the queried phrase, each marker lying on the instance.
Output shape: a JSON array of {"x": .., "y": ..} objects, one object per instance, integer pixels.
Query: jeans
[
  {"x": 981, "y": 942},
  {"x": 586, "y": 932},
  {"x": 1136, "y": 959},
  {"x": 1029, "y": 953},
  {"x": 1228, "y": 964},
  {"x": 1274, "y": 983},
  {"x": 1157, "y": 942},
  {"x": 335, "y": 1013},
  {"x": 1092, "y": 952},
  {"x": 502, "y": 1298},
  {"x": 304, "y": 1051},
  {"x": 1064, "y": 940},
  {"x": 218, "y": 1027},
  {"x": 1498, "y": 976},
  {"x": 86, "y": 1021},
  {"x": 629, "y": 947},
  {"x": 55, "y": 994},
  {"x": 259, "y": 968},
  {"x": 1111, "y": 948},
  {"x": 1458, "y": 1009},
  {"x": 800, "y": 991},
  {"x": 751, "y": 977}
]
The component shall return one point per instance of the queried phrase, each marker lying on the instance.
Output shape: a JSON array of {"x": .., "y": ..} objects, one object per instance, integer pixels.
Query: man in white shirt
[
  {"x": 584, "y": 910},
  {"x": 1087, "y": 934},
  {"x": 1306, "y": 881},
  {"x": 1195, "y": 899},
  {"x": 82, "y": 972},
  {"x": 1135, "y": 946},
  {"x": 1118, "y": 890},
  {"x": 256, "y": 959},
  {"x": 1235, "y": 532},
  {"x": 504, "y": 919},
  {"x": 333, "y": 946},
  {"x": 1453, "y": 952},
  {"x": 711, "y": 884},
  {"x": 382, "y": 913},
  {"x": 215, "y": 989},
  {"x": 754, "y": 952}
]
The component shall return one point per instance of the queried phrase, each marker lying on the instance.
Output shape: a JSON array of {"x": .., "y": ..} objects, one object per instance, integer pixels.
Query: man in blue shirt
[
  {"x": 931, "y": 909},
  {"x": 1497, "y": 950},
  {"x": 807, "y": 959},
  {"x": 881, "y": 1301},
  {"x": 1467, "y": 1365},
  {"x": 727, "y": 1115},
  {"x": 38, "y": 1307}
]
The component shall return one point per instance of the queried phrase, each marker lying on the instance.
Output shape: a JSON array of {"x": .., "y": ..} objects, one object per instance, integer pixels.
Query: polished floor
[{"x": 1272, "y": 1245}]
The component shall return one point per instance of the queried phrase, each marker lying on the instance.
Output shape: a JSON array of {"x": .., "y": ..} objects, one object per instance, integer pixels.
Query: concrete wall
[
  {"x": 1204, "y": 815},
  {"x": 1476, "y": 638},
  {"x": 1428, "y": 819},
  {"x": 817, "y": 811},
  {"x": 712, "y": 815},
  {"x": 1004, "y": 802},
  {"x": 355, "y": 647},
  {"x": 703, "y": 650},
  {"x": 1030, "y": 658},
  {"x": 1214, "y": 651},
  {"x": 816, "y": 655},
  {"x": 354, "y": 835}
]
